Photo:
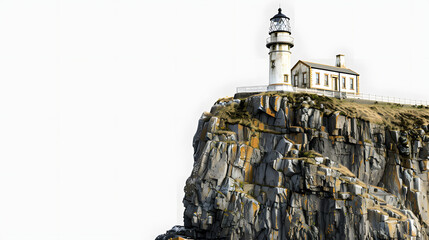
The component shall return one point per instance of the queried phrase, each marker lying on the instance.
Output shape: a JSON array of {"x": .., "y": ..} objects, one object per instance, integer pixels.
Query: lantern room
[{"x": 280, "y": 23}]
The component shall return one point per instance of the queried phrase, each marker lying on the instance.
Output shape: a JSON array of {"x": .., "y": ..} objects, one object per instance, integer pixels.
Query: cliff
[{"x": 296, "y": 166}]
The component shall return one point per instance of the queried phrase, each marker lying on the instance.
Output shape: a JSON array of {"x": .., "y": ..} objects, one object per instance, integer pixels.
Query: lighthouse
[{"x": 279, "y": 44}]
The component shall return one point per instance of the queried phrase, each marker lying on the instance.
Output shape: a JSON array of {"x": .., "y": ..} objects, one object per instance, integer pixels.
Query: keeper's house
[{"x": 324, "y": 77}]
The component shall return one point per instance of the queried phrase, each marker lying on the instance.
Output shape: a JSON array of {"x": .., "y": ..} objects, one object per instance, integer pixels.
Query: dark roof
[
  {"x": 330, "y": 68},
  {"x": 279, "y": 15}
]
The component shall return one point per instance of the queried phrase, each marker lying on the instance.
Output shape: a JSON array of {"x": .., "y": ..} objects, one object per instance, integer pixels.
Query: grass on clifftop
[
  {"x": 391, "y": 115},
  {"x": 395, "y": 116}
]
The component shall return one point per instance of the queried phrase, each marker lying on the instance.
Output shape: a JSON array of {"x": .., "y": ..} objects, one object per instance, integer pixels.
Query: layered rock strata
[{"x": 272, "y": 166}]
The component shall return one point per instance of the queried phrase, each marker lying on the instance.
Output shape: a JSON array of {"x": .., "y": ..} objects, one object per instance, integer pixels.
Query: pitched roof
[{"x": 330, "y": 68}]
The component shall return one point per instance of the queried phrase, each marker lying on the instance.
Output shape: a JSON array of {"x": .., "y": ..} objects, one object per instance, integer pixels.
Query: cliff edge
[{"x": 299, "y": 166}]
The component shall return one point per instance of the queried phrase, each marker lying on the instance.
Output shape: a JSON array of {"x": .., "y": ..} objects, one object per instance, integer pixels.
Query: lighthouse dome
[{"x": 280, "y": 23}]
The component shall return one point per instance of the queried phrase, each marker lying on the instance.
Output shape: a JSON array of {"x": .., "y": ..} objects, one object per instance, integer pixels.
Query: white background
[{"x": 99, "y": 100}]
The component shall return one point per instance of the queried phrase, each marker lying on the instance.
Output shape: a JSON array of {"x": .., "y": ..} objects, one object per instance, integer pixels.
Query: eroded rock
[{"x": 294, "y": 171}]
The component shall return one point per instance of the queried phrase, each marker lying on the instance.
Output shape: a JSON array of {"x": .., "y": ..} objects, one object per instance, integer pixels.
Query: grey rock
[{"x": 263, "y": 177}]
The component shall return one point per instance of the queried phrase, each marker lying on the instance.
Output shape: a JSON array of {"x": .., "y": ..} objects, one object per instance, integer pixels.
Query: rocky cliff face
[{"x": 277, "y": 166}]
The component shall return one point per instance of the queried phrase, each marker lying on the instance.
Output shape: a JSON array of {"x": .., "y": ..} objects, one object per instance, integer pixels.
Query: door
[{"x": 335, "y": 80}]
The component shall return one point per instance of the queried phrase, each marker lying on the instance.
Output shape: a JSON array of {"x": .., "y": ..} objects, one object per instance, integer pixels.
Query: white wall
[
  {"x": 331, "y": 86},
  {"x": 282, "y": 60},
  {"x": 349, "y": 78},
  {"x": 298, "y": 70},
  {"x": 322, "y": 79}
]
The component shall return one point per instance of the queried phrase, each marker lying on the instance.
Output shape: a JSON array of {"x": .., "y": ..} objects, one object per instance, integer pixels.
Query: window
[
  {"x": 295, "y": 80},
  {"x": 326, "y": 80},
  {"x": 286, "y": 78},
  {"x": 304, "y": 77},
  {"x": 343, "y": 79},
  {"x": 273, "y": 65},
  {"x": 318, "y": 78},
  {"x": 352, "y": 86}
]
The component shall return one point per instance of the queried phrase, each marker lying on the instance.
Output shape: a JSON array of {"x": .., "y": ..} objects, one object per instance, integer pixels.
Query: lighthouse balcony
[{"x": 280, "y": 39}]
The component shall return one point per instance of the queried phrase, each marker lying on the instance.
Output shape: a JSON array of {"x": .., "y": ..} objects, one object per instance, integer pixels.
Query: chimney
[{"x": 341, "y": 61}]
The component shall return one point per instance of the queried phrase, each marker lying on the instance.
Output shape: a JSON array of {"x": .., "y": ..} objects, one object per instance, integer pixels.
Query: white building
[
  {"x": 279, "y": 43},
  {"x": 304, "y": 74},
  {"x": 324, "y": 77}
]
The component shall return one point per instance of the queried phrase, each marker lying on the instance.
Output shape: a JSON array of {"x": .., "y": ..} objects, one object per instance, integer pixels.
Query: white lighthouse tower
[{"x": 279, "y": 43}]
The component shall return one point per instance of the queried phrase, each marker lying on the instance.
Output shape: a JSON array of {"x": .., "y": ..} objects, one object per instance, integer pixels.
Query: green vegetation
[
  {"x": 394, "y": 116},
  {"x": 237, "y": 114},
  {"x": 310, "y": 154},
  {"x": 391, "y": 115}
]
